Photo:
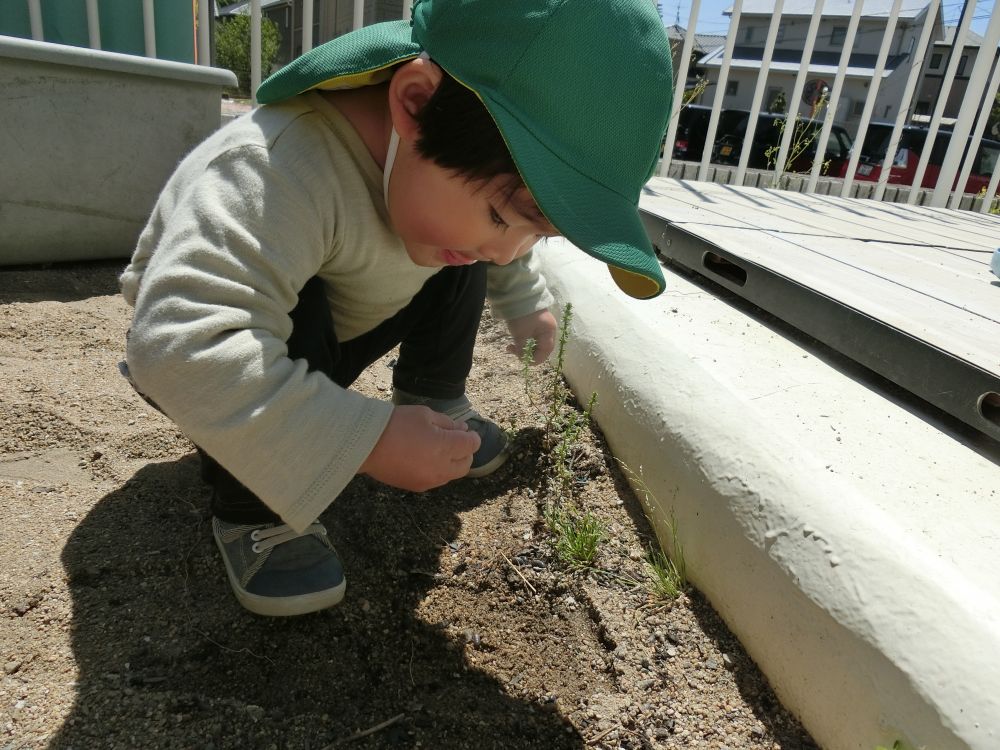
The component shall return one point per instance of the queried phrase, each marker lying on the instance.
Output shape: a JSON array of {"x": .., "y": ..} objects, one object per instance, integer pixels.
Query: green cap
[{"x": 580, "y": 90}]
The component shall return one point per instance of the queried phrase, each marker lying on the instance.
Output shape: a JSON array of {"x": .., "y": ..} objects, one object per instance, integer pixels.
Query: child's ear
[{"x": 410, "y": 88}]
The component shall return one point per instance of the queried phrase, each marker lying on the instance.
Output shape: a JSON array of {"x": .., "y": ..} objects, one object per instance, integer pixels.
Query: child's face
[{"x": 446, "y": 220}]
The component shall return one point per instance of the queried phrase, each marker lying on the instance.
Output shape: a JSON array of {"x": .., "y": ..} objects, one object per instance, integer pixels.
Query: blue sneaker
[
  {"x": 274, "y": 571},
  {"x": 494, "y": 447}
]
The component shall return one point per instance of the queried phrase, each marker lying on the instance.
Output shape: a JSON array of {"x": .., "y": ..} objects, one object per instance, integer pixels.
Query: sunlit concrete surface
[
  {"x": 87, "y": 141},
  {"x": 848, "y": 534}
]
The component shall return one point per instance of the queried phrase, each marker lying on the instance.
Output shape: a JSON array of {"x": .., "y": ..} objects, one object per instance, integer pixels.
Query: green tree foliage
[{"x": 232, "y": 47}]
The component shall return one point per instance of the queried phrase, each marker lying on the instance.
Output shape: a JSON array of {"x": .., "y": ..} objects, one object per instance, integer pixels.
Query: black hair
[{"x": 458, "y": 133}]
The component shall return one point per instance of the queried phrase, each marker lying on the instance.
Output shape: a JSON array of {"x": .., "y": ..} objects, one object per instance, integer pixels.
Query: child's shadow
[{"x": 167, "y": 658}]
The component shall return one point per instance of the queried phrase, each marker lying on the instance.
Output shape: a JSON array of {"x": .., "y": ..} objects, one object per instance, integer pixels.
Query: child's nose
[{"x": 503, "y": 252}]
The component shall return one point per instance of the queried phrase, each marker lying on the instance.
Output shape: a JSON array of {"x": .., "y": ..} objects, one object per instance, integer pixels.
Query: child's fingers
[
  {"x": 544, "y": 345},
  {"x": 420, "y": 449},
  {"x": 462, "y": 442},
  {"x": 446, "y": 423}
]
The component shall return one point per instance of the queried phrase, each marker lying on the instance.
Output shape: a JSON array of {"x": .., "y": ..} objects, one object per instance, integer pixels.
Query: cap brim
[
  {"x": 358, "y": 58},
  {"x": 599, "y": 221}
]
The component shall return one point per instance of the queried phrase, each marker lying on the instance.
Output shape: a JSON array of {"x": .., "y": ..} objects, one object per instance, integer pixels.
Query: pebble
[
  {"x": 12, "y": 666},
  {"x": 254, "y": 712}
]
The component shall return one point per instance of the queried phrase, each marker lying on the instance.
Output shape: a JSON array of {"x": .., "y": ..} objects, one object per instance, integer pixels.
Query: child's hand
[
  {"x": 421, "y": 449},
  {"x": 540, "y": 326}
]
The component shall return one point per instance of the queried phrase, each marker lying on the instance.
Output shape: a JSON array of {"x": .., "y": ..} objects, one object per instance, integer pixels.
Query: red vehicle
[{"x": 912, "y": 142}]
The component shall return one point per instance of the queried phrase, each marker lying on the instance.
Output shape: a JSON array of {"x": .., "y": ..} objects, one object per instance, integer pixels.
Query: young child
[{"x": 395, "y": 178}]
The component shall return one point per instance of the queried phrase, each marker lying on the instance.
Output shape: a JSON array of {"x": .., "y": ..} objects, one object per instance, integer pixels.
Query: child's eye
[{"x": 497, "y": 218}]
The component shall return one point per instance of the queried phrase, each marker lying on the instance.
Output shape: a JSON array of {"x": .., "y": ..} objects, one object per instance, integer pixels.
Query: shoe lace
[{"x": 266, "y": 538}]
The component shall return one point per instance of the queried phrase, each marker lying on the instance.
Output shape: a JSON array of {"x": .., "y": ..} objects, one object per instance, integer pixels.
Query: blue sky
[{"x": 711, "y": 20}]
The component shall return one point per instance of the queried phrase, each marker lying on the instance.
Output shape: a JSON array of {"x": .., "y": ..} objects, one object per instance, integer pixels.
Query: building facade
[
  {"x": 935, "y": 67},
  {"x": 787, "y": 58}
]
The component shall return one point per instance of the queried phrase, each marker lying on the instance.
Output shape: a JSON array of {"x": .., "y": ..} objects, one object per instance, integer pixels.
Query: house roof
[
  {"x": 972, "y": 39},
  {"x": 909, "y": 9},
  {"x": 822, "y": 63},
  {"x": 702, "y": 42}
]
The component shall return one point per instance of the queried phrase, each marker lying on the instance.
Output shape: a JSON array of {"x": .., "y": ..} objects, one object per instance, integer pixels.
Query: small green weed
[
  {"x": 994, "y": 206},
  {"x": 527, "y": 357},
  {"x": 802, "y": 139},
  {"x": 564, "y": 425},
  {"x": 666, "y": 581},
  {"x": 668, "y": 574},
  {"x": 577, "y": 534}
]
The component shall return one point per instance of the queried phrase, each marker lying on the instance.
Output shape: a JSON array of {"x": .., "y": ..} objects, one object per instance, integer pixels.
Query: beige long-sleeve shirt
[{"x": 279, "y": 196}]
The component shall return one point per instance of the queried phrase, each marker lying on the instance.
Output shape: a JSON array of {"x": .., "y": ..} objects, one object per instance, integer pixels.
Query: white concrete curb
[{"x": 849, "y": 544}]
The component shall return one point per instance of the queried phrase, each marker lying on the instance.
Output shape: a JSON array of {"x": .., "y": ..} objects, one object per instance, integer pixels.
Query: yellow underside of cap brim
[
  {"x": 634, "y": 284},
  {"x": 357, "y": 80}
]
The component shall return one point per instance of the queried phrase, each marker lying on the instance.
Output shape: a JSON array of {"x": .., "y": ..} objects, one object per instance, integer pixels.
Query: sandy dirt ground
[{"x": 461, "y": 628}]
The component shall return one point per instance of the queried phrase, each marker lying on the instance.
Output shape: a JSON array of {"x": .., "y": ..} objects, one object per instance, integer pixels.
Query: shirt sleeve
[
  {"x": 207, "y": 342},
  {"x": 518, "y": 288}
]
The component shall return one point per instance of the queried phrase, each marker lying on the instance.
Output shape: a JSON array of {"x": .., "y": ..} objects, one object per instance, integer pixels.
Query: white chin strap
[{"x": 390, "y": 157}]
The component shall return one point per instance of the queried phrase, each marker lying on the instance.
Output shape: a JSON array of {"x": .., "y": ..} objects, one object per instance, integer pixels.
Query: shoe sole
[
  {"x": 493, "y": 464},
  {"x": 490, "y": 466},
  {"x": 284, "y": 606}
]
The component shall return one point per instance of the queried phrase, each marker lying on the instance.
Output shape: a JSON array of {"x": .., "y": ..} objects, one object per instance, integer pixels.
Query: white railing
[
  {"x": 969, "y": 125},
  {"x": 968, "y": 128},
  {"x": 202, "y": 51}
]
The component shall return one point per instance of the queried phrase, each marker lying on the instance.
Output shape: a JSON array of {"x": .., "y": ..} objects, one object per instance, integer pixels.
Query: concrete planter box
[{"x": 87, "y": 140}]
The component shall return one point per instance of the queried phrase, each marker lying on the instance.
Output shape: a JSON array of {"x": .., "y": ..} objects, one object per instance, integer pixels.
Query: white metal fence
[
  {"x": 966, "y": 135},
  {"x": 967, "y": 130}
]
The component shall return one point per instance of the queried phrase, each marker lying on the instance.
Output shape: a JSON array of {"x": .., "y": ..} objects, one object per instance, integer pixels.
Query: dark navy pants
[{"x": 436, "y": 333}]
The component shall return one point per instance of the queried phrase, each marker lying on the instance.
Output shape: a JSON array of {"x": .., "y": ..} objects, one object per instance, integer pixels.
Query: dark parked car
[
  {"x": 692, "y": 129},
  {"x": 767, "y": 138}
]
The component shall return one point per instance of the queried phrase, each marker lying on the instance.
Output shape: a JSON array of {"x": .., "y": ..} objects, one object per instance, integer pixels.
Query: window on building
[
  {"x": 748, "y": 34},
  {"x": 858, "y": 108},
  {"x": 781, "y": 32},
  {"x": 732, "y": 88},
  {"x": 936, "y": 61},
  {"x": 961, "y": 65},
  {"x": 838, "y": 35}
]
